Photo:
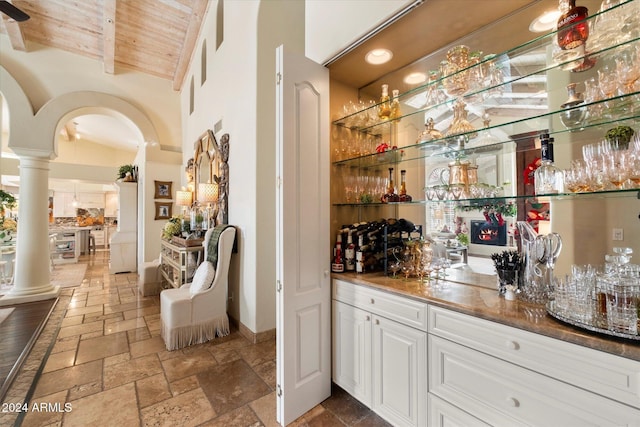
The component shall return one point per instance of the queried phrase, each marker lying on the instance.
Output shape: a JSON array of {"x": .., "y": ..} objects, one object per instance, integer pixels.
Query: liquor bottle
[
  {"x": 337, "y": 266},
  {"x": 384, "y": 108},
  {"x": 390, "y": 195},
  {"x": 395, "y": 113},
  {"x": 573, "y": 29},
  {"x": 350, "y": 254},
  {"x": 548, "y": 178},
  {"x": 404, "y": 197},
  {"x": 360, "y": 255}
]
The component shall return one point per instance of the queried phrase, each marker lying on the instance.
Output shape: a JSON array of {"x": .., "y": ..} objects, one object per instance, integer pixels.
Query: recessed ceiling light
[
  {"x": 415, "y": 78},
  {"x": 378, "y": 56},
  {"x": 545, "y": 22}
]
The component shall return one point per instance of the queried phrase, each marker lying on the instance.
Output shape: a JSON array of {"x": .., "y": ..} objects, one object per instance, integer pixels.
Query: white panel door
[
  {"x": 303, "y": 343},
  {"x": 399, "y": 373},
  {"x": 352, "y": 350}
]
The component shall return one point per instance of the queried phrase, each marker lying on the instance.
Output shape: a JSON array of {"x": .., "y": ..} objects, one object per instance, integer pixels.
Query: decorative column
[{"x": 32, "y": 278}]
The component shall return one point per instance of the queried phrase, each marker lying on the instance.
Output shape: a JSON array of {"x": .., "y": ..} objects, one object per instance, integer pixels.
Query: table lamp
[{"x": 208, "y": 195}]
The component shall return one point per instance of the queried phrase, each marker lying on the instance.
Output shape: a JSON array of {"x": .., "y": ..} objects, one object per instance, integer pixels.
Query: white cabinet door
[
  {"x": 352, "y": 350},
  {"x": 303, "y": 301},
  {"x": 63, "y": 205},
  {"x": 111, "y": 204},
  {"x": 91, "y": 200},
  {"x": 399, "y": 373}
]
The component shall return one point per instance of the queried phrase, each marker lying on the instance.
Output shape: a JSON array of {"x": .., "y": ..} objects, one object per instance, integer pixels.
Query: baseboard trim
[{"x": 253, "y": 337}]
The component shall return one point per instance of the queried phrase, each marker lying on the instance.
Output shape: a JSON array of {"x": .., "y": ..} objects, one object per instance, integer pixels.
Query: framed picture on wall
[
  {"x": 163, "y": 190},
  {"x": 163, "y": 210}
]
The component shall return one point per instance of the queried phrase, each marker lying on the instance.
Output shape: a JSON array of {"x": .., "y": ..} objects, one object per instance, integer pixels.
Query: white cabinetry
[
  {"x": 506, "y": 376},
  {"x": 63, "y": 204},
  {"x": 123, "y": 243},
  {"x": 91, "y": 200},
  {"x": 67, "y": 249},
  {"x": 352, "y": 350},
  {"x": 111, "y": 204},
  {"x": 380, "y": 357}
]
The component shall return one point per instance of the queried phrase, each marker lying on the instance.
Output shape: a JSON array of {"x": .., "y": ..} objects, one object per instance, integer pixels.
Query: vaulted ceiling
[{"x": 151, "y": 36}]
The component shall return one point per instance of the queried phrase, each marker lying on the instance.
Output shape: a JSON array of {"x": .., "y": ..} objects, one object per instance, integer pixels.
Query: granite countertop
[{"x": 482, "y": 302}]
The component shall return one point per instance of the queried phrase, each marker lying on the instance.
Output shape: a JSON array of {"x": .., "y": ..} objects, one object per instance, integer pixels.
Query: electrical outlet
[{"x": 618, "y": 234}]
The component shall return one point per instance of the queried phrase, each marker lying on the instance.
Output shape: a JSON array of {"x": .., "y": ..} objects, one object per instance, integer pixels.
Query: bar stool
[{"x": 92, "y": 244}]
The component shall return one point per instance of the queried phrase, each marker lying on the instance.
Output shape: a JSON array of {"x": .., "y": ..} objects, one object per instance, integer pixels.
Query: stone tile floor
[{"x": 108, "y": 367}]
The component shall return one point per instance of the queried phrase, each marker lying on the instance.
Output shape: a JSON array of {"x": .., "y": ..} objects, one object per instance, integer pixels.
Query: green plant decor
[
  {"x": 621, "y": 133},
  {"x": 505, "y": 209},
  {"x": 122, "y": 171},
  {"x": 7, "y": 201},
  {"x": 463, "y": 238}
]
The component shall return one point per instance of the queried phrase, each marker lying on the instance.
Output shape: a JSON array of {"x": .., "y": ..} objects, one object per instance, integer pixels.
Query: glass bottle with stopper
[
  {"x": 548, "y": 178},
  {"x": 390, "y": 196},
  {"x": 404, "y": 197},
  {"x": 384, "y": 108},
  {"x": 395, "y": 112}
]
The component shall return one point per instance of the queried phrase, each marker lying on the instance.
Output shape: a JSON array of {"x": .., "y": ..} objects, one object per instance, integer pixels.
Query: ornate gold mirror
[{"x": 211, "y": 174}]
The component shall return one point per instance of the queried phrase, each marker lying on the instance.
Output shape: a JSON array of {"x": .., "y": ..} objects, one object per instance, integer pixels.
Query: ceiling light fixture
[
  {"x": 415, "y": 78},
  {"x": 545, "y": 22},
  {"x": 378, "y": 56}
]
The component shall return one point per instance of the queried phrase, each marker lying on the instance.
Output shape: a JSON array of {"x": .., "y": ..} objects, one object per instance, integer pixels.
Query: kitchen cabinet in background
[{"x": 111, "y": 204}]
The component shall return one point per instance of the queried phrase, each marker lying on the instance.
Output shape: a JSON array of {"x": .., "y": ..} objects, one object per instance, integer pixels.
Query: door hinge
[
  {"x": 278, "y": 285},
  {"x": 278, "y": 390},
  {"x": 278, "y": 78},
  {"x": 278, "y": 182}
]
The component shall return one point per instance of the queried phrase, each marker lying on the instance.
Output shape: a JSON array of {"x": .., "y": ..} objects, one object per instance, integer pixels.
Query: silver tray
[{"x": 552, "y": 311}]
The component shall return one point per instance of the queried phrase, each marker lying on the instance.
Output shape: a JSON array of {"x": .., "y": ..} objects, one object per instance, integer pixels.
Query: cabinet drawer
[
  {"x": 501, "y": 393},
  {"x": 612, "y": 376},
  {"x": 443, "y": 414},
  {"x": 404, "y": 310}
]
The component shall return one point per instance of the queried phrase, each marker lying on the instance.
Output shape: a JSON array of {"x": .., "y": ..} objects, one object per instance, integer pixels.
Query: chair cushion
[{"x": 203, "y": 278}]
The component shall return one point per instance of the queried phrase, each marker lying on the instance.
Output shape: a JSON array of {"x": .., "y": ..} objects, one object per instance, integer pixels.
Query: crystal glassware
[
  {"x": 573, "y": 116},
  {"x": 460, "y": 124}
]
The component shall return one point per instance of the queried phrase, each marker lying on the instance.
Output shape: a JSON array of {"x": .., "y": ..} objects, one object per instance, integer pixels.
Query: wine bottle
[
  {"x": 384, "y": 108},
  {"x": 350, "y": 254},
  {"x": 395, "y": 106},
  {"x": 337, "y": 266},
  {"x": 360, "y": 255}
]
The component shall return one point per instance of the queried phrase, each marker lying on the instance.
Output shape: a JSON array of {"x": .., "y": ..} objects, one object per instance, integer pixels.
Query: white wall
[
  {"x": 331, "y": 25},
  {"x": 240, "y": 91},
  {"x": 45, "y": 73}
]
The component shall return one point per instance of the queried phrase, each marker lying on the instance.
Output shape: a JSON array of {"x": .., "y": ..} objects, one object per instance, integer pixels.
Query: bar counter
[{"x": 483, "y": 301}]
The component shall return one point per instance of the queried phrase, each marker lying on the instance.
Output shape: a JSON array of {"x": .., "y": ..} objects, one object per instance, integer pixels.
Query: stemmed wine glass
[
  {"x": 627, "y": 70},
  {"x": 395, "y": 267},
  {"x": 407, "y": 269}
]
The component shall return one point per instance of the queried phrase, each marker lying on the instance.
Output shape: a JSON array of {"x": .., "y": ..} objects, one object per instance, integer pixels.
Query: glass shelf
[
  {"x": 538, "y": 45},
  {"x": 443, "y": 148},
  {"x": 502, "y": 200}
]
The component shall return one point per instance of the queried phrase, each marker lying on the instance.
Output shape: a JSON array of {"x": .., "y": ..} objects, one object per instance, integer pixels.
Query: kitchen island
[
  {"x": 69, "y": 244},
  {"x": 473, "y": 357}
]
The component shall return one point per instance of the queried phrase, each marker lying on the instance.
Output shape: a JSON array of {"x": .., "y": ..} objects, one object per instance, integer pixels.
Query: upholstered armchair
[{"x": 197, "y": 312}]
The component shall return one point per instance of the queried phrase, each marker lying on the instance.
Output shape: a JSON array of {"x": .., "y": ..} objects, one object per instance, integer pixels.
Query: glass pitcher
[{"x": 532, "y": 284}]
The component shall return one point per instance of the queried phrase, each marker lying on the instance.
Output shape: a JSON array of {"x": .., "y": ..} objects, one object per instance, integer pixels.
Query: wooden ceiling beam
[
  {"x": 15, "y": 33},
  {"x": 109, "y": 36},
  {"x": 198, "y": 11}
]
